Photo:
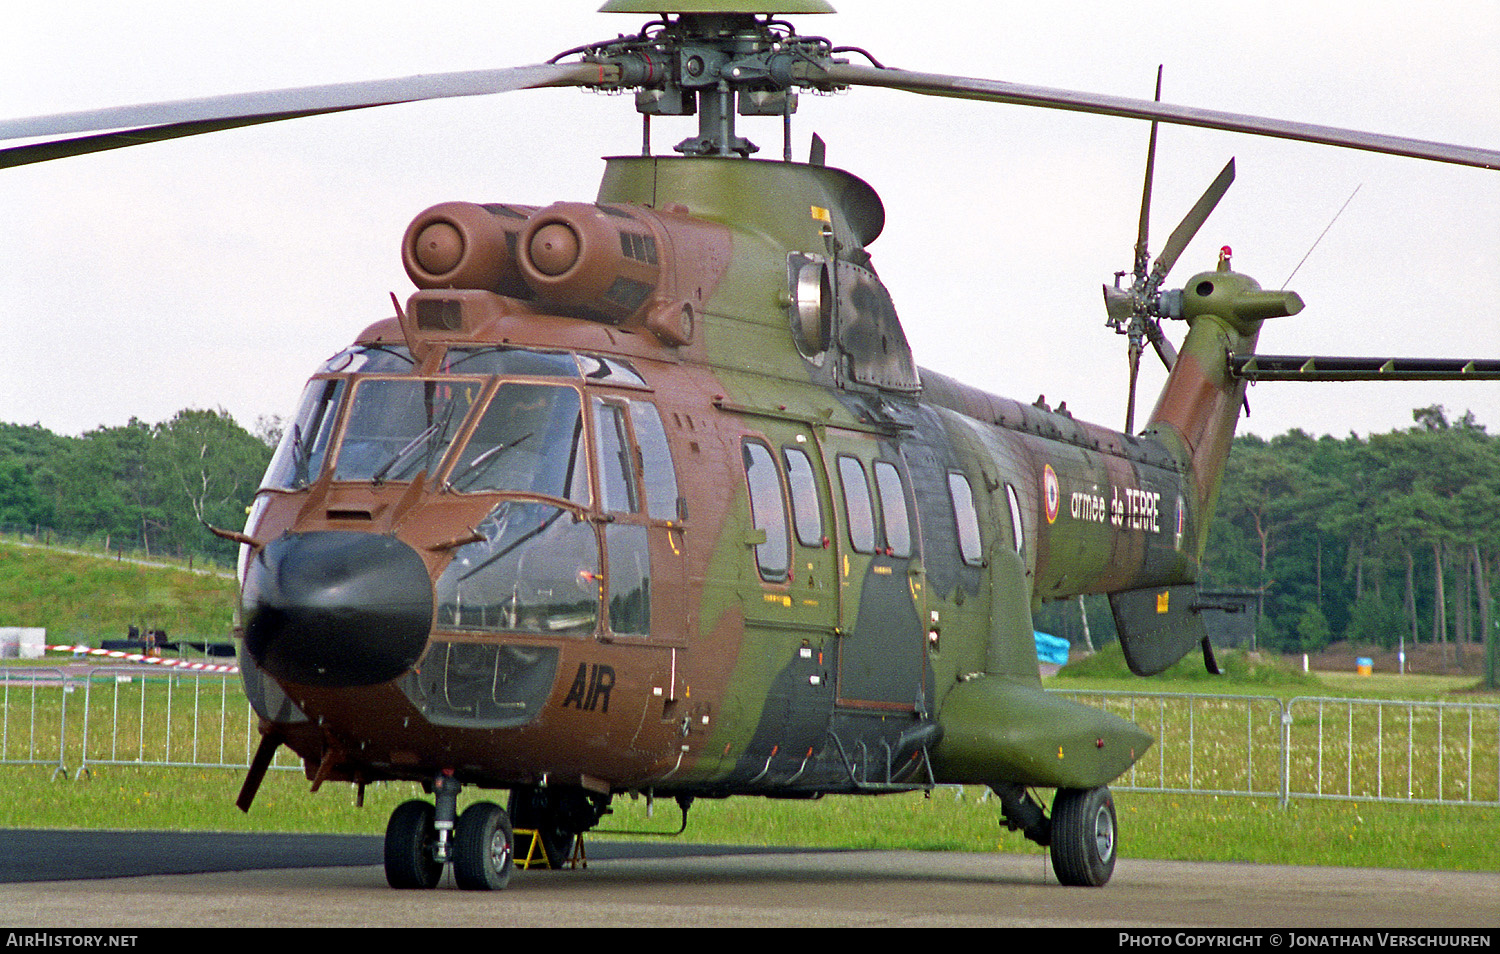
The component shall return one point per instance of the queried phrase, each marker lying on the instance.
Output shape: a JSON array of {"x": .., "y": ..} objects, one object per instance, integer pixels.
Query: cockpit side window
[
  {"x": 618, "y": 486},
  {"x": 304, "y": 446},
  {"x": 657, "y": 473}
]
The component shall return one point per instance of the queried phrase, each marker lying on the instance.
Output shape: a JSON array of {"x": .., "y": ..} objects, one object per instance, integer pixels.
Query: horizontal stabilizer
[
  {"x": 1287, "y": 367},
  {"x": 1158, "y": 625}
]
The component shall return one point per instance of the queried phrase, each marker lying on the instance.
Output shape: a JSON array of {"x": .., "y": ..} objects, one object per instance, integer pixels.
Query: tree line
[
  {"x": 1379, "y": 539},
  {"x": 1373, "y": 539},
  {"x": 142, "y": 487}
]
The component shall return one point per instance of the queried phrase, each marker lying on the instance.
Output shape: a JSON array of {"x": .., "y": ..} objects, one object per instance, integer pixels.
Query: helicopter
[{"x": 649, "y": 494}]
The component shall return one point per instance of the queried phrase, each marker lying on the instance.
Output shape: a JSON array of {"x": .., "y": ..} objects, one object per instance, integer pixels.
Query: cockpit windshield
[
  {"x": 370, "y": 359},
  {"x": 397, "y": 428},
  {"x": 373, "y": 420},
  {"x": 509, "y": 362},
  {"x": 304, "y": 446},
  {"x": 529, "y": 439}
]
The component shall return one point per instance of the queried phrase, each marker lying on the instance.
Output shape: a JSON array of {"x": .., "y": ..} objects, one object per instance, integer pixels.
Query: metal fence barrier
[
  {"x": 1430, "y": 753},
  {"x": 1307, "y": 747},
  {"x": 34, "y": 717},
  {"x": 127, "y": 716},
  {"x": 1311, "y": 747},
  {"x": 1207, "y": 744}
]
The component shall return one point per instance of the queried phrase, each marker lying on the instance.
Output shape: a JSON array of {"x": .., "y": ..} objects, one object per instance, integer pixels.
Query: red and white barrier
[{"x": 144, "y": 658}]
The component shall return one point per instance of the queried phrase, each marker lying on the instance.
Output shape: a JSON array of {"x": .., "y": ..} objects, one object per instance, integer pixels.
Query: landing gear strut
[{"x": 421, "y": 839}]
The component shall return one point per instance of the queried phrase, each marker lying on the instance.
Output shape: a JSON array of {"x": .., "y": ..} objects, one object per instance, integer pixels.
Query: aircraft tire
[
  {"x": 1085, "y": 835},
  {"x": 483, "y": 848},
  {"x": 410, "y": 861}
]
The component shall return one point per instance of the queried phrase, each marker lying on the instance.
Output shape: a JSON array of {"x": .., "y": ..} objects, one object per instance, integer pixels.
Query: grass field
[{"x": 81, "y": 598}]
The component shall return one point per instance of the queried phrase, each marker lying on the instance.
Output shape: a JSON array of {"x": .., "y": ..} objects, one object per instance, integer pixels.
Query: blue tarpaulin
[{"x": 1051, "y": 649}]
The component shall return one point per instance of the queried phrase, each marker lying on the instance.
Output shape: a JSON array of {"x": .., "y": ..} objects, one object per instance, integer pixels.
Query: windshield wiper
[
  {"x": 482, "y": 460},
  {"x": 428, "y": 432},
  {"x": 299, "y": 458}
]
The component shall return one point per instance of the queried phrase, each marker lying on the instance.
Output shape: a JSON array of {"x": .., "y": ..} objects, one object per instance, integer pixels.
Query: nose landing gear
[
  {"x": 411, "y": 847},
  {"x": 420, "y": 839},
  {"x": 483, "y": 848}
]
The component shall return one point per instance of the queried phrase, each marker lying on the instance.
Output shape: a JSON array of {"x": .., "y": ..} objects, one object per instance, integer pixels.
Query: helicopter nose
[{"x": 336, "y": 609}]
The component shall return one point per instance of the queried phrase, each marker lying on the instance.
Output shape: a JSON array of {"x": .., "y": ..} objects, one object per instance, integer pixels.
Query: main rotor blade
[
  {"x": 998, "y": 91},
  {"x": 1192, "y": 222},
  {"x": 132, "y": 125}
]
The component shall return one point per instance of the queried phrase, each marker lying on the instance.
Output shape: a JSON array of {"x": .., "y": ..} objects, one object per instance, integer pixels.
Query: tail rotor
[{"x": 1137, "y": 311}]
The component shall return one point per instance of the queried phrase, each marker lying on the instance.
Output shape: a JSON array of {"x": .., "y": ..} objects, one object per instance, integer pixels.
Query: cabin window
[
  {"x": 1017, "y": 529},
  {"x": 530, "y": 440},
  {"x": 857, "y": 510},
  {"x": 535, "y": 571},
  {"x": 398, "y": 428},
  {"x": 300, "y": 456},
  {"x": 657, "y": 473},
  {"x": 618, "y": 489},
  {"x": 807, "y": 511},
  {"x": 892, "y": 492},
  {"x": 767, "y": 511},
  {"x": 970, "y": 546}
]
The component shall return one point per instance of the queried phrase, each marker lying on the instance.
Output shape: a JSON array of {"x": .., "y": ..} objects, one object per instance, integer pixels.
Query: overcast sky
[{"x": 218, "y": 271}]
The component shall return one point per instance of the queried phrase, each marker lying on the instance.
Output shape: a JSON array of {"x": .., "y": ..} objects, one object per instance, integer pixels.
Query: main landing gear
[
  {"x": 1082, "y": 831},
  {"x": 421, "y": 838}
]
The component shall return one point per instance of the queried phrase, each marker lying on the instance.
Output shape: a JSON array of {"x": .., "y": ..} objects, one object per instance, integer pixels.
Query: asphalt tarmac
[{"x": 119, "y": 880}]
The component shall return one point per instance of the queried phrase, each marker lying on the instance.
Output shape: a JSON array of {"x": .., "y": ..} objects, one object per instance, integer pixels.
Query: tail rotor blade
[
  {"x": 1141, "y": 255},
  {"x": 1181, "y": 236},
  {"x": 1163, "y": 346}
]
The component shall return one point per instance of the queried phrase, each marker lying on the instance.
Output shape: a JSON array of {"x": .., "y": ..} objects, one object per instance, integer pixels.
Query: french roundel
[{"x": 1051, "y": 492}]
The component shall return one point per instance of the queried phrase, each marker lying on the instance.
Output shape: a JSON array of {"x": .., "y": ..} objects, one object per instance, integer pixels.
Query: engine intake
[
  {"x": 464, "y": 245},
  {"x": 590, "y": 260},
  {"x": 599, "y": 262}
]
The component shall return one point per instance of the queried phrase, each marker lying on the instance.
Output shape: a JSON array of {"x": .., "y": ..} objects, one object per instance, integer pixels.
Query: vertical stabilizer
[{"x": 1195, "y": 416}]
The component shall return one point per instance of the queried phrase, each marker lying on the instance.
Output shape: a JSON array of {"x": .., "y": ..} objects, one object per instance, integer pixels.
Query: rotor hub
[{"x": 716, "y": 66}]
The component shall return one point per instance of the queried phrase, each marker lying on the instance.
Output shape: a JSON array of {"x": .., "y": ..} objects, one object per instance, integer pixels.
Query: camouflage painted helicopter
[{"x": 648, "y": 494}]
